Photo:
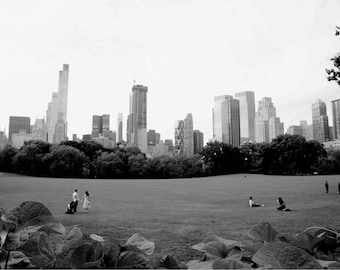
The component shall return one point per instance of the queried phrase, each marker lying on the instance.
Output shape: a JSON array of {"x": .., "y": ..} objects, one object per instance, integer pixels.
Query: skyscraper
[
  {"x": 17, "y": 124},
  {"x": 226, "y": 120},
  {"x": 120, "y": 127},
  {"x": 267, "y": 125},
  {"x": 39, "y": 130},
  {"x": 188, "y": 149},
  {"x": 336, "y": 118},
  {"x": 198, "y": 141},
  {"x": 58, "y": 106},
  {"x": 60, "y": 130},
  {"x": 100, "y": 125},
  {"x": 137, "y": 120},
  {"x": 247, "y": 115},
  {"x": 179, "y": 137},
  {"x": 320, "y": 121}
]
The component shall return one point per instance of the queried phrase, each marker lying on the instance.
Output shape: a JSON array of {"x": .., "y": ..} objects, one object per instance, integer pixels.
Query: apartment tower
[
  {"x": 336, "y": 118},
  {"x": 247, "y": 115},
  {"x": 320, "y": 121}
]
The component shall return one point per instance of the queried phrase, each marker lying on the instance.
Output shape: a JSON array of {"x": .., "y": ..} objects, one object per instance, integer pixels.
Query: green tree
[
  {"x": 334, "y": 73},
  {"x": 110, "y": 165},
  {"x": 29, "y": 158},
  {"x": 6, "y": 158},
  {"x": 66, "y": 161},
  {"x": 138, "y": 165},
  {"x": 222, "y": 158}
]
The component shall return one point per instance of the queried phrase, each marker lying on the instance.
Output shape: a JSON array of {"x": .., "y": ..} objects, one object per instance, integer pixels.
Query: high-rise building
[
  {"x": 152, "y": 137},
  {"x": 320, "y": 121},
  {"x": 267, "y": 125},
  {"x": 188, "y": 149},
  {"x": 336, "y": 118},
  {"x": 17, "y": 124},
  {"x": 58, "y": 106},
  {"x": 247, "y": 115},
  {"x": 3, "y": 140},
  {"x": 179, "y": 137},
  {"x": 226, "y": 120},
  {"x": 137, "y": 122},
  {"x": 120, "y": 127},
  {"x": 60, "y": 130},
  {"x": 198, "y": 141},
  {"x": 39, "y": 130},
  {"x": 100, "y": 125}
]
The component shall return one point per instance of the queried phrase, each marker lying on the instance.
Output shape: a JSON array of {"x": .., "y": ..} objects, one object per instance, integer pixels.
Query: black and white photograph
[{"x": 170, "y": 134}]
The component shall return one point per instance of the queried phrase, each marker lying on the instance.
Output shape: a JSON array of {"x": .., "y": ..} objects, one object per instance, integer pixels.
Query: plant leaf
[
  {"x": 215, "y": 249},
  {"x": 235, "y": 253},
  {"x": 17, "y": 259},
  {"x": 263, "y": 232},
  {"x": 228, "y": 263},
  {"x": 87, "y": 255},
  {"x": 196, "y": 264},
  {"x": 111, "y": 254},
  {"x": 142, "y": 243},
  {"x": 53, "y": 228},
  {"x": 97, "y": 237},
  {"x": 305, "y": 241},
  {"x": 75, "y": 233},
  {"x": 281, "y": 255},
  {"x": 130, "y": 259},
  {"x": 329, "y": 264},
  {"x": 214, "y": 237}
]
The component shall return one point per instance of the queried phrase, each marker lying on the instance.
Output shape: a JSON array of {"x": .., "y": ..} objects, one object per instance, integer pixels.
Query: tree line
[{"x": 285, "y": 155}]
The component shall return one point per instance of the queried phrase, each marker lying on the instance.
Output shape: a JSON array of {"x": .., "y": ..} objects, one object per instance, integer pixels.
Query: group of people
[
  {"x": 327, "y": 187},
  {"x": 280, "y": 201},
  {"x": 72, "y": 206}
]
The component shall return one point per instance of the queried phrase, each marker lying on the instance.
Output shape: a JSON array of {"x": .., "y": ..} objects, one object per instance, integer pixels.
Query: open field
[{"x": 178, "y": 213}]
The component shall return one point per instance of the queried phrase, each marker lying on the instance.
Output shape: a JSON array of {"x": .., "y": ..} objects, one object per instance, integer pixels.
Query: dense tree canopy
[{"x": 334, "y": 73}]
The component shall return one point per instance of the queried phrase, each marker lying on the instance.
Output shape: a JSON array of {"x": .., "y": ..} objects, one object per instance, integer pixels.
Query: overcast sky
[{"x": 185, "y": 51}]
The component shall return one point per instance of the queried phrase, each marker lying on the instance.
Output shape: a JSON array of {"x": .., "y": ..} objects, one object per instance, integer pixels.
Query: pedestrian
[
  {"x": 282, "y": 204},
  {"x": 75, "y": 199},
  {"x": 86, "y": 201},
  {"x": 254, "y": 204},
  {"x": 339, "y": 188},
  {"x": 326, "y": 186}
]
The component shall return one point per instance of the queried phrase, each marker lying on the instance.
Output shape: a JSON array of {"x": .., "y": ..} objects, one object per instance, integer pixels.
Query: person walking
[
  {"x": 326, "y": 186},
  {"x": 75, "y": 198},
  {"x": 86, "y": 201}
]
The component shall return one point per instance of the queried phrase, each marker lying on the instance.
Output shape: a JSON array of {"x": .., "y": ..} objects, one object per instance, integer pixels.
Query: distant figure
[
  {"x": 339, "y": 188},
  {"x": 282, "y": 204},
  {"x": 326, "y": 186},
  {"x": 75, "y": 199},
  {"x": 253, "y": 204},
  {"x": 86, "y": 201}
]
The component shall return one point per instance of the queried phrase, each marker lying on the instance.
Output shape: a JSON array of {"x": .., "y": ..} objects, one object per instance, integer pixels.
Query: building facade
[
  {"x": 226, "y": 120},
  {"x": 100, "y": 125},
  {"x": 179, "y": 138},
  {"x": 39, "y": 130},
  {"x": 137, "y": 120},
  {"x": 336, "y": 118},
  {"x": 198, "y": 141},
  {"x": 188, "y": 149},
  {"x": 120, "y": 127},
  {"x": 58, "y": 106},
  {"x": 320, "y": 121},
  {"x": 247, "y": 115},
  {"x": 17, "y": 124}
]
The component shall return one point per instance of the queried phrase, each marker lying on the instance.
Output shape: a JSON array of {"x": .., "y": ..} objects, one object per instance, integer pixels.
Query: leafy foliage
[{"x": 334, "y": 73}]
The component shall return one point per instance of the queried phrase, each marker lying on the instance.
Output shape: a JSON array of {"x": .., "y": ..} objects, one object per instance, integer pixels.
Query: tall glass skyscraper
[
  {"x": 336, "y": 118},
  {"x": 137, "y": 120},
  {"x": 120, "y": 127},
  {"x": 226, "y": 120},
  {"x": 247, "y": 115},
  {"x": 18, "y": 123},
  {"x": 57, "y": 108},
  {"x": 320, "y": 121}
]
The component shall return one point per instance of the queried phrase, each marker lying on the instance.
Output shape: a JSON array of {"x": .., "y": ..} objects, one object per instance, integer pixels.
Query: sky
[{"x": 185, "y": 51}]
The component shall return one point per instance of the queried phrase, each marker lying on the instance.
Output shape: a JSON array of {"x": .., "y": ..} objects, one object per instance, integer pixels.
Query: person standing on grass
[
  {"x": 339, "y": 188},
  {"x": 75, "y": 198},
  {"x": 86, "y": 201},
  {"x": 254, "y": 204},
  {"x": 326, "y": 186}
]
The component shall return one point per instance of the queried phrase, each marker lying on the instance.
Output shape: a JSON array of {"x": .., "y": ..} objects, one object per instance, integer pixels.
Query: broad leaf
[
  {"x": 111, "y": 254},
  {"x": 87, "y": 255},
  {"x": 329, "y": 264},
  {"x": 305, "y": 241},
  {"x": 130, "y": 259},
  {"x": 235, "y": 253},
  {"x": 281, "y": 255},
  {"x": 40, "y": 220},
  {"x": 251, "y": 246},
  {"x": 263, "y": 232},
  {"x": 17, "y": 259},
  {"x": 169, "y": 262},
  {"x": 196, "y": 264},
  {"x": 214, "y": 237},
  {"x": 25, "y": 212},
  {"x": 75, "y": 233},
  {"x": 142, "y": 243},
  {"x": 228, "y": 263},
  {"x": 53, "y": 228},
  {"x": 97, "y": 237},
  {"x": 215, "y": 249}
]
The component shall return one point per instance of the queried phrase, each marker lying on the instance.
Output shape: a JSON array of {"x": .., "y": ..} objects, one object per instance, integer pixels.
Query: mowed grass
[{"x": 178, "y": 213}]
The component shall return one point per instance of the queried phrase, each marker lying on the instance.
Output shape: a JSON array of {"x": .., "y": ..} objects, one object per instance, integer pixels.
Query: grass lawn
[{"x": 177, "y": 213}]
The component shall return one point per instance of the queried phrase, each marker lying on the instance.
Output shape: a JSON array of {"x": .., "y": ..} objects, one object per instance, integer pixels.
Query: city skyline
[{"x": 237, "y": 46}]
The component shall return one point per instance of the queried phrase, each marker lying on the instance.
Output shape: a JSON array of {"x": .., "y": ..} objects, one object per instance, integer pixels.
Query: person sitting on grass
[
  {"x": 254, "y": 204},
  {"x": 282, "y": 204}
]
